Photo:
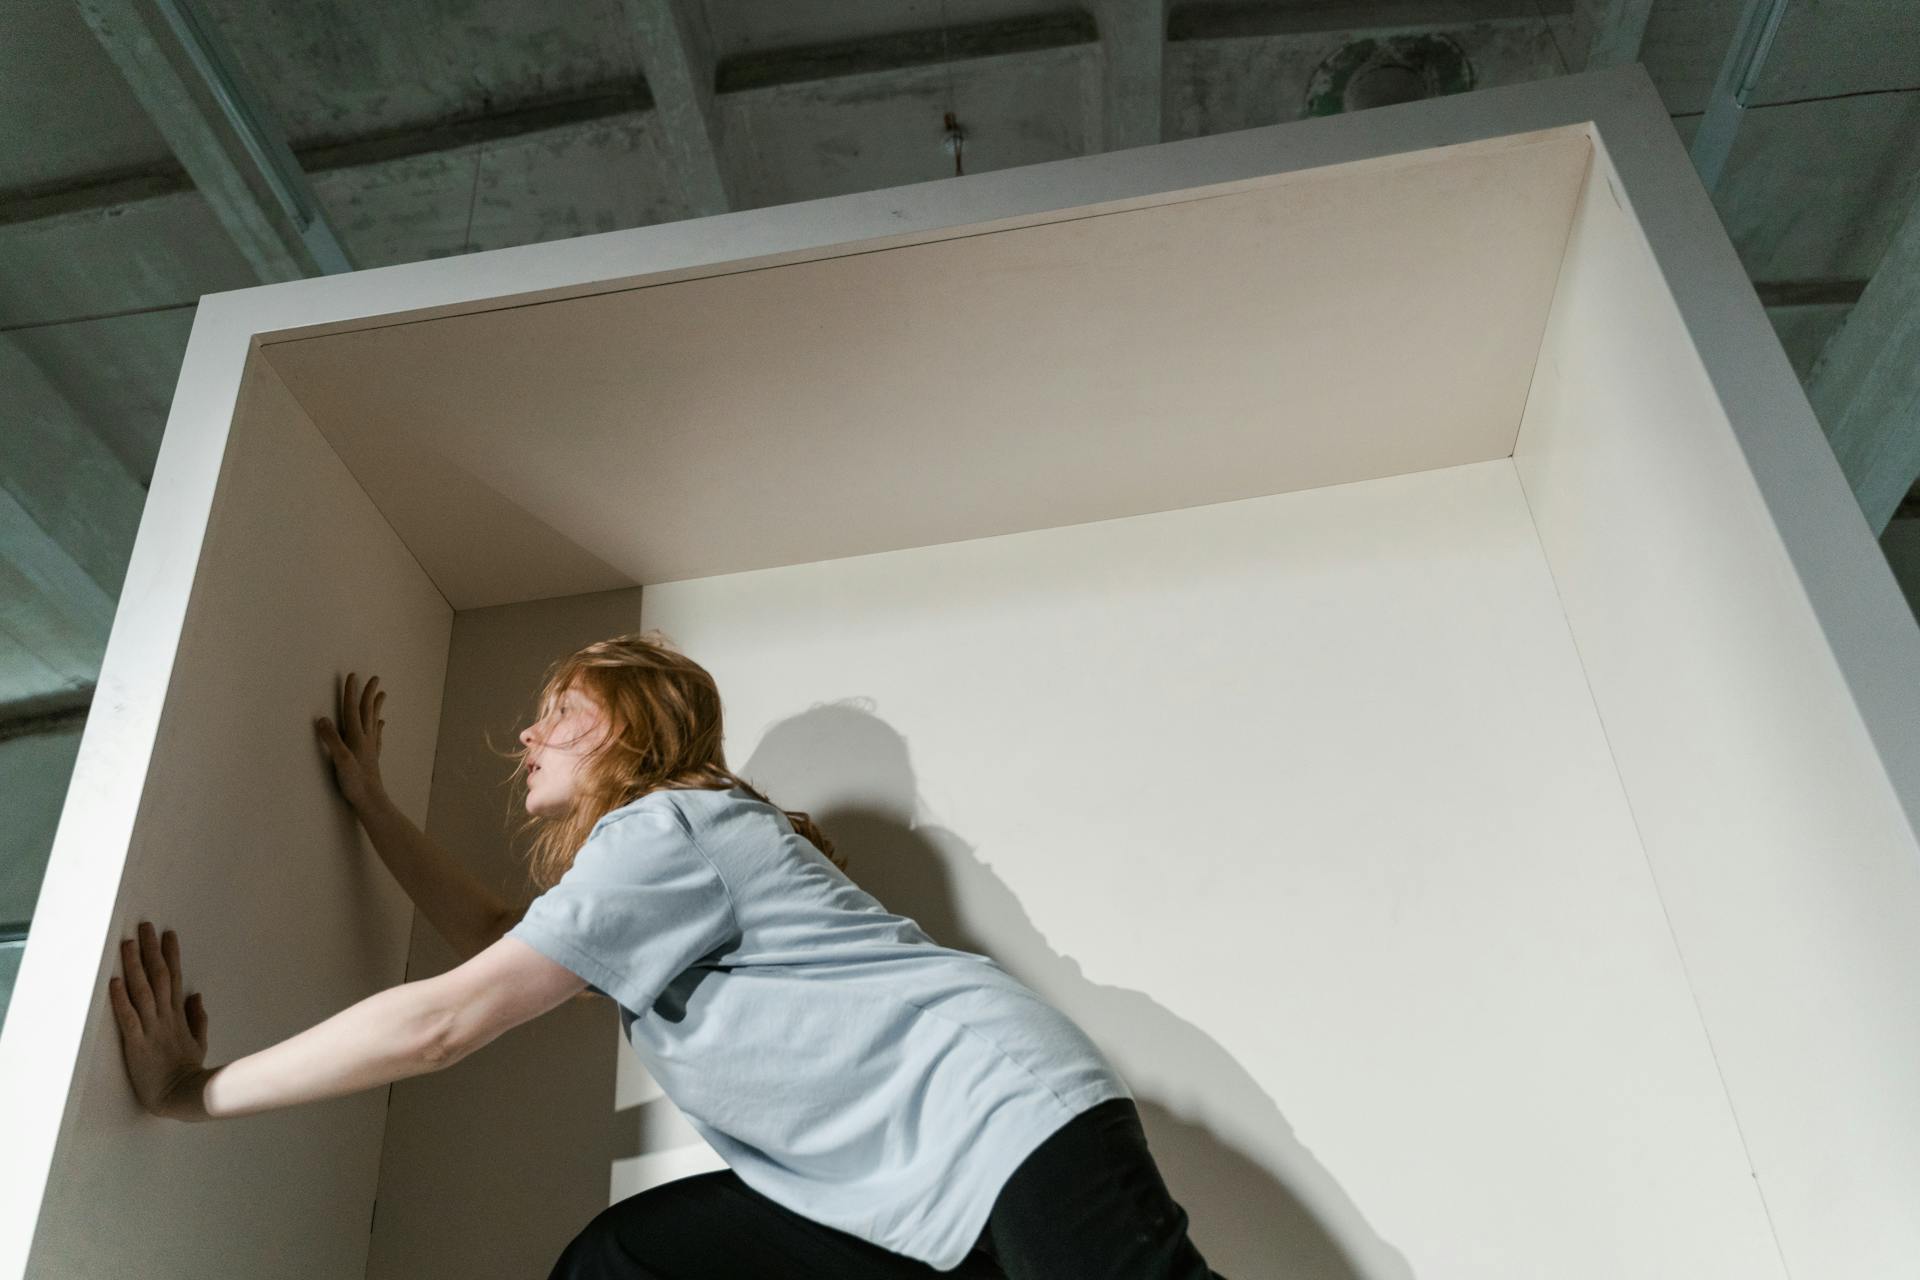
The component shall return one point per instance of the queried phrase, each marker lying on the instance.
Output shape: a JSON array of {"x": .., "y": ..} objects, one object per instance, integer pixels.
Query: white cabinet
[{"x": 1358, "y": 613}]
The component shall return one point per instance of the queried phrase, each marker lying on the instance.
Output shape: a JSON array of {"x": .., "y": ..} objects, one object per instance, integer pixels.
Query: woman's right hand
[{"x": 354, "y": 744}]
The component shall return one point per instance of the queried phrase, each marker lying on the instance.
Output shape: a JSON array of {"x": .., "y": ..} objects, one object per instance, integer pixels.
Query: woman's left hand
[{"x": 162, "y": 1032}]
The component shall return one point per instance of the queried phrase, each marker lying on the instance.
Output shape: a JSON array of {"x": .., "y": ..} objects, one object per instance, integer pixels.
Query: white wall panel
[
  {"x": 1300, "y": 806},
  {"x": 1785, "y": 860},
  {"x": 492, "y": 1165},
  {"x": 243, "y": 846}
]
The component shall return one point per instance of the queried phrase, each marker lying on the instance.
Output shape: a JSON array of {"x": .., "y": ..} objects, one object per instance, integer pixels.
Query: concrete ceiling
[{"x": 451, "y": 126}]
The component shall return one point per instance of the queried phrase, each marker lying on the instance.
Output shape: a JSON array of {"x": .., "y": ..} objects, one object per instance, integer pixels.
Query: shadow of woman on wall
[{"x": 1229, "y": 1156}]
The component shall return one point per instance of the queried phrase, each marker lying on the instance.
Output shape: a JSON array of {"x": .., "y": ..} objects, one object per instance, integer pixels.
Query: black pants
[{"x": 1087, "y": 1204}]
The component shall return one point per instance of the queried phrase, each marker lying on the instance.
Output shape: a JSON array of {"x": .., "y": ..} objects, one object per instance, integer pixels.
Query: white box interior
[{"x": 1323, "y": 629}]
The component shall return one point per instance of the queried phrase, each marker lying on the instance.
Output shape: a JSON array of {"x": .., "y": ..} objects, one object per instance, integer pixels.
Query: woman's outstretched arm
[
  {"x": 403, "y": 1031},
  {"x": 462, "y": 910}
]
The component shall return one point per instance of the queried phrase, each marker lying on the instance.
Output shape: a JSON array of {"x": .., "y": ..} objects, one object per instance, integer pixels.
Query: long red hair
[{"x": 663, "y": 732}]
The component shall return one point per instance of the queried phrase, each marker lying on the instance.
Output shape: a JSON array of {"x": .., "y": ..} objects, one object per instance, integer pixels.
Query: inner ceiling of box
[{"x": 1314, "y": 328}]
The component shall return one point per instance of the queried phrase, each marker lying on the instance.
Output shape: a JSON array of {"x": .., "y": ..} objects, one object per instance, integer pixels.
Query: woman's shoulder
[
  {"x": 654, "y": 804},
  {"x": 652, "y": 830},
  {"x": 688, "y": 807}
]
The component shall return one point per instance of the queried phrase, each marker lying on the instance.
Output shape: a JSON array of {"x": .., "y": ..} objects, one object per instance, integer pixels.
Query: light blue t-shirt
[{"x": 841, "y": 1061}]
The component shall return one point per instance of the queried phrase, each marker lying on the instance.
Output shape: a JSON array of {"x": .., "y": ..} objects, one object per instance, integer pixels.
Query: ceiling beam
[
  {"x": 900, "y": 50},
  {"x": 222, "y": 132},
  {"x": 55, "y": 713},
  {"x": 52, "y": 612},
  {"x": 1133, "y": 56},
  {"x": 1250, "y": 19},
  {"x": 1618, "y": 34},
  {"x": 1865, "y": 387},
  {"x": 586, "y": 104},
  {"x": 676, "y": 56},
  {"x": 68, "y": 514},
  {"x": 1739, "y": 73},
  {"x": 1828, "y": 292}
]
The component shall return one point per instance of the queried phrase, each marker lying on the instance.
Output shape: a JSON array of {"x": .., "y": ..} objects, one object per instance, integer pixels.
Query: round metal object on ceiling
[{"x": 1378, "y": 73}]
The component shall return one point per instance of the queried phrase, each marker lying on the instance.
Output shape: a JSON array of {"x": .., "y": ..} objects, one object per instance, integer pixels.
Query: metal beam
[
  {"x": 1133, "y": 56},
  {"x": 1246, "y": 19},
  {"x": 1618, "y": 34},
  {"x": 62, "y": 475},
  {"x": 586, "y": 104},
  {"x": 54, "y": 618},
  {"x": 1865, "y": 387},
  {"x": 68, "y": 514},
  {"x": 49, "y": 713},
  {"x": 676, "y": 55},
  {"x": 897, "y": 51},
  {"x": 1739, "y": 73},
  {"x": 222, "y": 132}
]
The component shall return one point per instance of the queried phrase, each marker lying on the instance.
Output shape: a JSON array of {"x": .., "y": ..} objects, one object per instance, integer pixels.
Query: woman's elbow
[{"x": 439, "y": 1034}]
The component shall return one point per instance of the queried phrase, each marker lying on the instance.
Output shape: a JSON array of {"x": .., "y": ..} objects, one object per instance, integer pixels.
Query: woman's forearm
[
  {"x": 464, "y": 912},
  {"x": 389, "y": 1036}
]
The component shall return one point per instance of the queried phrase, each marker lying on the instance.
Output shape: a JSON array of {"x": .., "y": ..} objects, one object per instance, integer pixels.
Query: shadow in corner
[{"x": 1228, "y": 1155}]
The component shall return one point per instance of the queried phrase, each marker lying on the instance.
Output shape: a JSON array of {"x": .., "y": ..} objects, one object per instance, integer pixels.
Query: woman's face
[{"x": 557, "y": 744}]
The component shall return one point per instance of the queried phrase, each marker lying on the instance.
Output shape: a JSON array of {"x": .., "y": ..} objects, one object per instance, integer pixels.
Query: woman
[{"x": 887, "y": 1106}]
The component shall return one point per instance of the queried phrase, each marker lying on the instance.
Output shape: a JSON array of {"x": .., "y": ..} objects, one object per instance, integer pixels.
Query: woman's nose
[{"x": 526, "y": 736}]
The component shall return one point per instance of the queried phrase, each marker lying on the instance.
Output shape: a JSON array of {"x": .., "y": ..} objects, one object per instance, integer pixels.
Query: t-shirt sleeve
[{"x": 640, "y": 905}]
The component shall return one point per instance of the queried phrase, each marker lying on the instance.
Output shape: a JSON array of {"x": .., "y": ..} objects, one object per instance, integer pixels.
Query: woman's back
[{"x": 840, "y": 1060}]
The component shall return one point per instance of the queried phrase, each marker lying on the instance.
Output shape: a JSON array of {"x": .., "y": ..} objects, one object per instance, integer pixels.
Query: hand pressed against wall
[
  {"x": 354, "y": 746},
  {"x": 163, "y": 1032}
]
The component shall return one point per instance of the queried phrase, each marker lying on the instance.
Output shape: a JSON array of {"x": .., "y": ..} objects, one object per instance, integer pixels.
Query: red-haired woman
[{"x": 887, "y": 1106}]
